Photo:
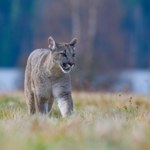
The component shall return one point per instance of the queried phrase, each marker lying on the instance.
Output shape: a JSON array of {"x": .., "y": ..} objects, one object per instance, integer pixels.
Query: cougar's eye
[{"x": 63, "y": 54}]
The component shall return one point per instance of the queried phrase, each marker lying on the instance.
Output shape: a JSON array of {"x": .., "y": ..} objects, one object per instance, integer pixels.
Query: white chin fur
[{"x": 64, "y": 71}]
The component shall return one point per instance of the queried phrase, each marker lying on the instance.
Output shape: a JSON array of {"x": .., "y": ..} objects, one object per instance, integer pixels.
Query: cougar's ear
[
  {"x": 73, "y": 42},
  {"x": 51, "y": 43}
]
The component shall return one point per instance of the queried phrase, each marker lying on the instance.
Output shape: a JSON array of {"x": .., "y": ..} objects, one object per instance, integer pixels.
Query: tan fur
[{"x": 45, "y": 80}]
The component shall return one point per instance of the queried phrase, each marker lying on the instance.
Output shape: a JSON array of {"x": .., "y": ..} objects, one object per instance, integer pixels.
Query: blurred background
[{"x": 113, "y": 51}]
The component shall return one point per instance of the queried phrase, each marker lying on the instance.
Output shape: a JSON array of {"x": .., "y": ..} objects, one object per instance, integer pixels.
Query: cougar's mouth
[{"x": 66, "y": 67}]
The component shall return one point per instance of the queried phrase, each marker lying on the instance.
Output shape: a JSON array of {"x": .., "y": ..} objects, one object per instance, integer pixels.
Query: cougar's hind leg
[
  {"x": 31, "y": 104},
  {"x": 28, "y": 89}
]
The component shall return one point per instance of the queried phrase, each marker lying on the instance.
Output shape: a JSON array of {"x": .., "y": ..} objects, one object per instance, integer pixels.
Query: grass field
[{"x": 100, "y": 122}]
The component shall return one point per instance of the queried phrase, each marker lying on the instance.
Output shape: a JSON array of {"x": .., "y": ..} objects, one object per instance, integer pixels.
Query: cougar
[{"x": 47, "y": 78}]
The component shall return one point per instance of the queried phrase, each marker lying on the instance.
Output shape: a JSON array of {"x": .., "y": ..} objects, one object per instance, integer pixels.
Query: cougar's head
[{"x": 63, "y": 54}]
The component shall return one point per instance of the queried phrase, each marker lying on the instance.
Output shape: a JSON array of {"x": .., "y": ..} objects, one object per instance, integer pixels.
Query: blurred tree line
[
  {"x": 112, "y": 35},
  {"x": 16, "y": 30}
]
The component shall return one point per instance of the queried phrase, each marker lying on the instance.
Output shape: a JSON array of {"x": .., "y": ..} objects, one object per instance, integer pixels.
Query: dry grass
[{"x": 101, "y": 121}]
